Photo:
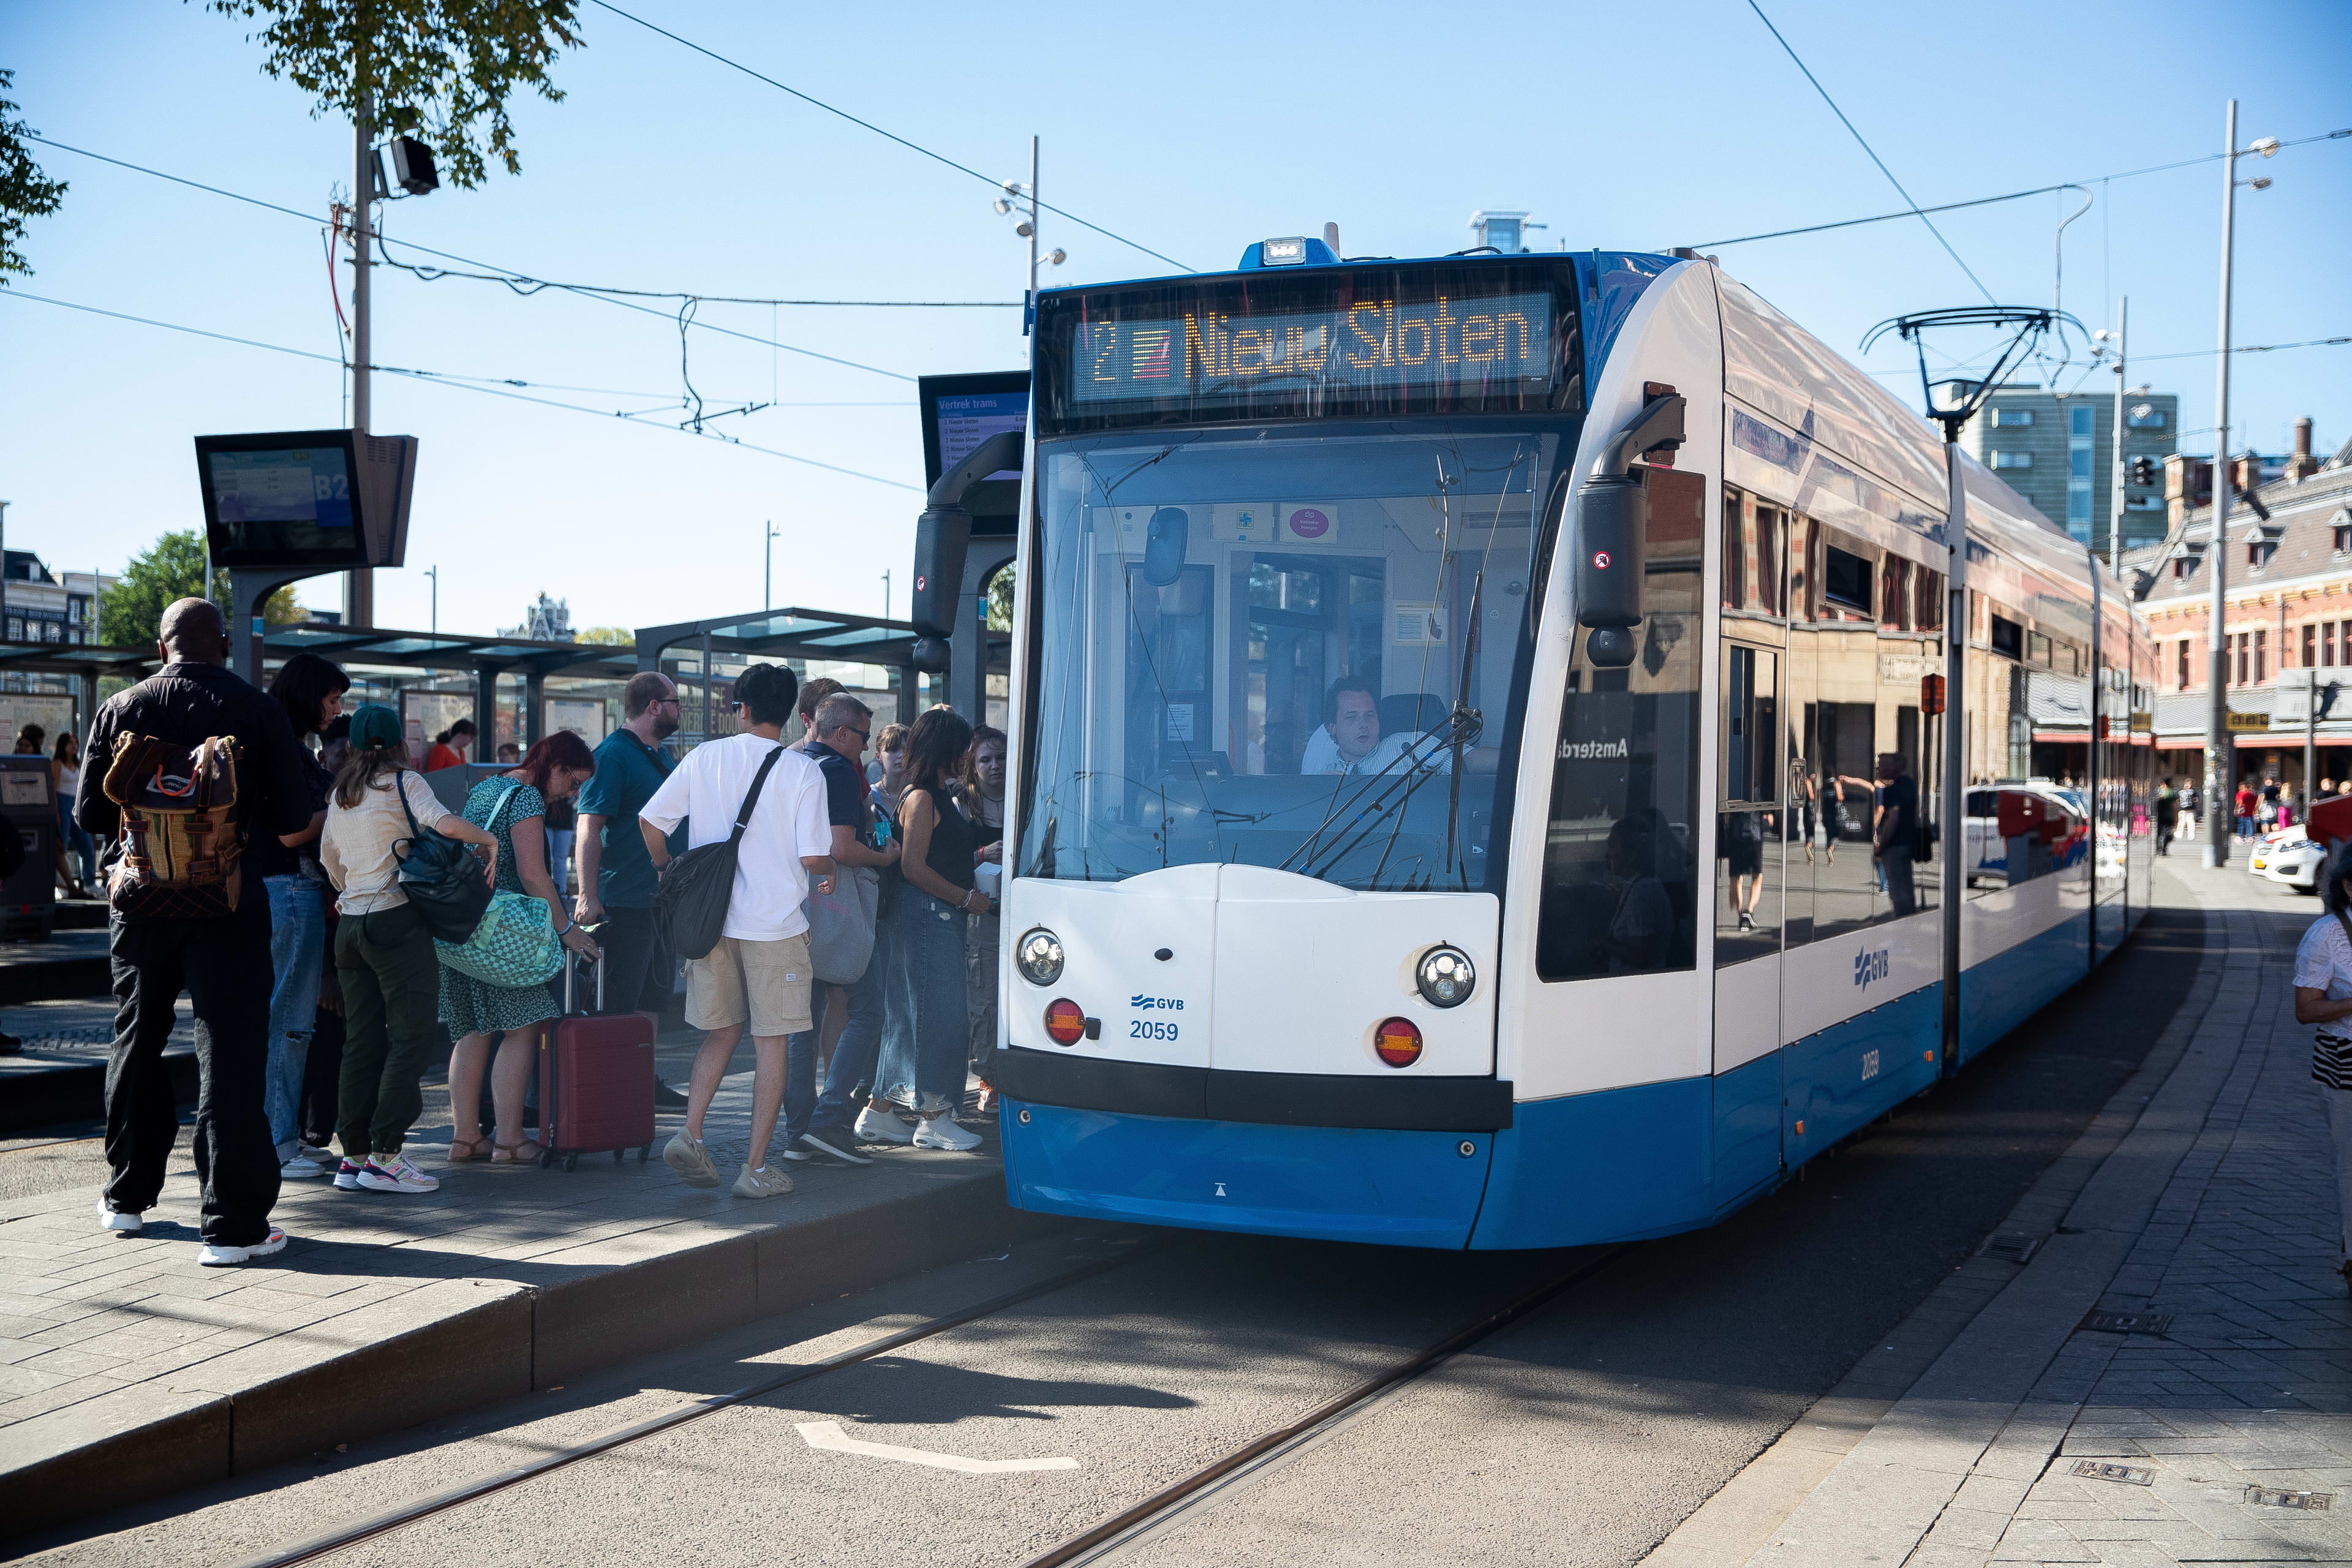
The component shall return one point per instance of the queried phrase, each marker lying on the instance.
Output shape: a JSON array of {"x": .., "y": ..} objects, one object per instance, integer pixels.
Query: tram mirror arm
[
  {"x": 942, "y": 538},
  {"x": 1613, "y": 514}
]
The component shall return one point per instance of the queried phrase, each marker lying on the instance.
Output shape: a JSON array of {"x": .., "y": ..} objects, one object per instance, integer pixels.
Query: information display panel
[
  {"x": 1444, "y": 337},
  {"x": 306, "y": 501},
  {"x": 959, "y": 412}
]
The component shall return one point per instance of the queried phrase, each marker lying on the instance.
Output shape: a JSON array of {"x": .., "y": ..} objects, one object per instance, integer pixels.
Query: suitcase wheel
[
  {"x": 570, "y": 1161},
  {"x": 547, "y": 1159},
  {"x": 616, "y": 1156},
  {"x": 647, "y": 1148}
]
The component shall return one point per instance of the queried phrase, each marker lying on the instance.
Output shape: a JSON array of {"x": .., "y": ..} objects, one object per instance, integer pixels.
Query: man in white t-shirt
[
  {"x": 1350, "y": 742},
  {"x": 759, "y": 974}
]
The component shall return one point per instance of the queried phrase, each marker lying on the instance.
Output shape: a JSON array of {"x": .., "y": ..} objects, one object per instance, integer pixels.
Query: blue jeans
[
  {"x": 851, "y": 1075},
  {"x": 925, "y": 1027},
  {"x": 80, "y": 849},
  {"x": 298, "y": 957}
]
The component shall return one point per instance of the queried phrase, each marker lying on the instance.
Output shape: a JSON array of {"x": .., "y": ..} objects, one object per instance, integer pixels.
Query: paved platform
[
  {"x": 2165, "y": 1377},
  {"x": 124, "y": 1365},
  {"x": 69, "y": 964}
]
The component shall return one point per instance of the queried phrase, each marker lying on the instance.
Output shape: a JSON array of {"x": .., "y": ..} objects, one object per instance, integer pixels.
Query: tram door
[{"x": 1752, "y": 829}]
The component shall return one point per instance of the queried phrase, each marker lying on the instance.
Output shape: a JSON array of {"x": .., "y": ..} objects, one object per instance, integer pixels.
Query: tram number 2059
[{"x": 1149, "y": 1029}]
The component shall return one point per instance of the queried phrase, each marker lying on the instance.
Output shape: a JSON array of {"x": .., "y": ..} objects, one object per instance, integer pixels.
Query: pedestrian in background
[
  {"x": 813, "y": 692},
  {"x": 888, "y": 772},
  {"x": 616, "y": 878},
  {"x": 384, "y": 951},
  {"x": 509, "y": 753},
  {"x": 980, "y": 799},
  {"x": 29, "y": 741},
  {"x": 1895, "y": 830},
  {"x": 839, "y": 730},
  {"x": 450, "y": 746},
  {"x": 512, "y": 808},
  {"x": 221, "y": 960},
  {"x": 323, "y": 1070},
  {"x": 927, "y": 1029},
  {"x": 759, "y": 973},
  {"x": 2244, "y": 805},
  {"x": 310, "y": 690},
  {"x": 2167, "y": 815},
  {"x": 74, "y": 846},
  {"x": 2323, "y": 996}
]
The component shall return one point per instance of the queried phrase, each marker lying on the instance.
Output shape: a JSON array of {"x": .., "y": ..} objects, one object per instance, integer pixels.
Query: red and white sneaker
[
  {"x": 347, "y": 1176},
  {"x": 213, "y": 1256},
  {"x": 395, "y": 1173}
]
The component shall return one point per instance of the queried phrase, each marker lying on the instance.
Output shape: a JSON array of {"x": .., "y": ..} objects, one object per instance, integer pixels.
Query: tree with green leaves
[
  {"x": 439, "y": 69},
  {"x": 613, "y": 637},
  {"x": 175, "y": 569},
  {"x": 24, "y": 191}
]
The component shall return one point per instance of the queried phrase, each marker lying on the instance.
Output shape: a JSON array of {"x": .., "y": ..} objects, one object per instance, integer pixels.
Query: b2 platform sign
[{"x": 308, "y": 501}]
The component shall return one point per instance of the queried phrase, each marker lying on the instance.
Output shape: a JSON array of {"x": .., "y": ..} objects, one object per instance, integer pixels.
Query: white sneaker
[
  {"x": 767, "y": 1181},
  {"x": 300, "y": 1165},
  {"x": 214, "y": 1256},
  {"x": 940, "y": 1132},
  {"x": 882, "y": 1127},
  {"x": 128, "y": 1223},
  {"x": 690, "y": 1159},
  {"x": 316, "y": 1152},
  {"x": 395, "y": 1173}
]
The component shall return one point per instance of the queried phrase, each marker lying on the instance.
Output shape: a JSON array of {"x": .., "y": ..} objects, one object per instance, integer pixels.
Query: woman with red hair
[{"x": 512, "y": 806}]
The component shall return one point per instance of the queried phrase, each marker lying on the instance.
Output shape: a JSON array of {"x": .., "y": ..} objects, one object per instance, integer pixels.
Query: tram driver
[{"x": 1351, "y": 741}]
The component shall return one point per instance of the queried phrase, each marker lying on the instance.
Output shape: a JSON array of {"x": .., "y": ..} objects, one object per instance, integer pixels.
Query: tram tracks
[{"x": 1100, "y": 1540}]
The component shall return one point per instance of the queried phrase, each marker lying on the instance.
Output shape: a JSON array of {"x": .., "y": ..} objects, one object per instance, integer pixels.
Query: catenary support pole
[
  {"x": 358, "y": 587},
  {"x": 2115, "y": 479},
  {"x": 1954, "y": 807},
  {"x": 2220, "y": 784}
]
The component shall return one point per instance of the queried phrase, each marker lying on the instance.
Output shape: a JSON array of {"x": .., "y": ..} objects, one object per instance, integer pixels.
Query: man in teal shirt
[{"x": 616, "y": 876}]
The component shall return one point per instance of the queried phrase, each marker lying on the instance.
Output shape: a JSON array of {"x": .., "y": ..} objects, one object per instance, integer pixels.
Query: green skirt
[{"x": 468, "y": 1006}]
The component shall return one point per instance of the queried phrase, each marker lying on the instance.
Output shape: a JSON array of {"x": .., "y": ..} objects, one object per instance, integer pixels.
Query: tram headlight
[
  {"x": 1445, "y": 975},
  {"x": 1039, "y": 956}
]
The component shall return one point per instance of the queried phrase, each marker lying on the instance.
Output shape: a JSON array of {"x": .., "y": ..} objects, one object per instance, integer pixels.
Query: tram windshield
[{"x": 1288, "y": 646}]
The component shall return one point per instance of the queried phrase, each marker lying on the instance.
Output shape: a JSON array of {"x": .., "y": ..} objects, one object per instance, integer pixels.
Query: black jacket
[{"x": 186, "y": 703}]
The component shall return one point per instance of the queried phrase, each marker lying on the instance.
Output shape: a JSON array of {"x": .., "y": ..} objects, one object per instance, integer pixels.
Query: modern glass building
[{"x": 2056, "y": 449}]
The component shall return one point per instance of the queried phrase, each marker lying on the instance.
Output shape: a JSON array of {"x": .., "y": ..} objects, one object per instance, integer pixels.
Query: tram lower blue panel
[
  {"x": 1746, "y": 1131},
  {"x": 1331, "y": 1184},
  {"x": 1851, "y": 1074},
  {"x": 2000, "y": 993},
  {"x": 1616, "y": 1164}
]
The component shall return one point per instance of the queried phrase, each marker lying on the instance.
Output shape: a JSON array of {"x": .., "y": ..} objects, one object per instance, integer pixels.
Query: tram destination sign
[{"x": 1205, "y": 353}]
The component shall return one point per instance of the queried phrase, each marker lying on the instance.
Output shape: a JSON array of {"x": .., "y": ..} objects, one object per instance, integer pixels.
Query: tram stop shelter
[
  {"x": 872, "y": 657},
  {"x": 421, "y": 674}
]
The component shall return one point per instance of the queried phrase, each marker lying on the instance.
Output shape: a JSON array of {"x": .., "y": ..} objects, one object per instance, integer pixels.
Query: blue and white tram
[{"x": 1409, "y": 848}]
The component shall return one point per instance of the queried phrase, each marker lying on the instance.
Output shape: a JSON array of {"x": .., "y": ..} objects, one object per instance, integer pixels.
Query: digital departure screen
[
  {"x": 1371, "y": 343},
  {"x": 1421, "y": 337},
  {"x": 964, "y": 422},
  {"x": 290, "y": 501}
]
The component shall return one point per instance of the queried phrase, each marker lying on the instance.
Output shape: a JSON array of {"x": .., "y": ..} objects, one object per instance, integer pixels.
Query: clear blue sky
[{"x": 1194, "y": 129}]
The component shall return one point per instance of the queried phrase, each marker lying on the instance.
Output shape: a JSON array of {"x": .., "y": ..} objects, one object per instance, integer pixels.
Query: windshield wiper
[{"x": 1461, "y": 730}]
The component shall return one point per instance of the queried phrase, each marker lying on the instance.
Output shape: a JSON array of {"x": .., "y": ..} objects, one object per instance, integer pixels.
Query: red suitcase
[{"x": 595, "y": 1081}]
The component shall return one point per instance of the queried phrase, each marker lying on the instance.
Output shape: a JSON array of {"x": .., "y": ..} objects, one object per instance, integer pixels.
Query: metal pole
[
  {"x": 1029, "y": 302},
  {"x": 885, "y": 595},
  {"x": 358, "y": 587},
  {"x": 2219, "y": 765},
  {"x": 4, "y": 570},
  {"x": 2115, "y": 480},
  {"x": 434, "y": 572},
  {"x": 1954, "y": 807},
  {"x": 706, "y": 686},
  {"x": 2310, "y": 739}
]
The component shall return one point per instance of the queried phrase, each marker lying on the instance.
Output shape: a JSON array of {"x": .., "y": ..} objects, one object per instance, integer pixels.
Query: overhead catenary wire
[
  {"x": 2006, "y": 196},
  {"x": 1866, "y": 148},
  {"x": 602, "y": 296},
  {"x": 887, "y": 135},
  {"x": 461, "y": 385}
]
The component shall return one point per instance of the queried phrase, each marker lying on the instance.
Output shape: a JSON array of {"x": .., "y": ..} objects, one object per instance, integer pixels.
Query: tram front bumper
[{"x": 1384, "y": 1186}]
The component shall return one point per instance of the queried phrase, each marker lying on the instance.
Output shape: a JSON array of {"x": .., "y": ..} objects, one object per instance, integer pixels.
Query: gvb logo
[{"x": 1870, "y": 966}]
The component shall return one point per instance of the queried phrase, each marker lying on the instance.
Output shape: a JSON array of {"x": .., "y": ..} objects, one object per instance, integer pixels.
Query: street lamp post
[
  {"x": 434, "y": 572},
  {"x": 2221, "y": 763},
  {"x": 768, "y": 566}
]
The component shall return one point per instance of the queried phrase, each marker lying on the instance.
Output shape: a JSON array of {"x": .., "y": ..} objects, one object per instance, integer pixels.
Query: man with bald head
[{"x": 221, "y": 961}]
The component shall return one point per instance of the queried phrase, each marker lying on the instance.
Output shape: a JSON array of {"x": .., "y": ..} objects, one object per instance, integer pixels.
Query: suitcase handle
[{"x": 570, "y": 959}]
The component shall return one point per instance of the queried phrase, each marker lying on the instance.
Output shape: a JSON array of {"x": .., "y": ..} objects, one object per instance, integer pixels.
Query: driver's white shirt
[{"x": 1388, "y": 753}]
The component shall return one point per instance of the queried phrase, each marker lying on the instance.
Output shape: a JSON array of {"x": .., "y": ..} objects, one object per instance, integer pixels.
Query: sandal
[
  {"x": 512, "y": 1153},
  {"x": 464, "y": 1149}
]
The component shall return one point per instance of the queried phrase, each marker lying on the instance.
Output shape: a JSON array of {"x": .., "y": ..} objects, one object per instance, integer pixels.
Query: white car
[{"x": 2288, "y": 856}]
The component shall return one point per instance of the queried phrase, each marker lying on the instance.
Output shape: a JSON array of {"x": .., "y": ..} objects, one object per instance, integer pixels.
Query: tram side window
[{"x": 1619, "y": 890}]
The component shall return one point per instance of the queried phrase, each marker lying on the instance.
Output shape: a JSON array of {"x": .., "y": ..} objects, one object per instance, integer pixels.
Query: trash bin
[{"x": 29, "y": 806}]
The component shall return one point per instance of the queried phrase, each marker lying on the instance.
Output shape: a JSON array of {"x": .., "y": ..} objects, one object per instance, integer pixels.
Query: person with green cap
[{"x": 384, "y": 951}]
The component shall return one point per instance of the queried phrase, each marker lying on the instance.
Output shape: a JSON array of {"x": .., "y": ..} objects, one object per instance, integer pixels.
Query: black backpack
[
  {"x": 690, "y": 905},
  {"x": 439, "y": 875}
]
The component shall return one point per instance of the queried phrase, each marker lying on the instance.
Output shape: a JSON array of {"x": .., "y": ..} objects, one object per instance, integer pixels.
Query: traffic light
[{"x": 2143, "y": 470}]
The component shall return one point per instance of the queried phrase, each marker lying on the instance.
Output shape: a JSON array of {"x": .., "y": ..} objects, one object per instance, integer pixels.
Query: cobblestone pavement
[{"x": 2165, "y": 1377}]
